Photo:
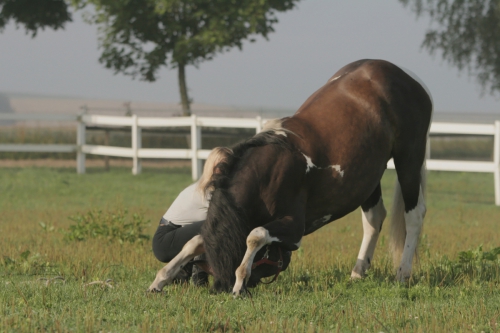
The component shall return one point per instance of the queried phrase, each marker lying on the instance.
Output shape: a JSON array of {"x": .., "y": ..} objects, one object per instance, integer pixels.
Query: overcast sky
[{"x": 309, "y": 45}]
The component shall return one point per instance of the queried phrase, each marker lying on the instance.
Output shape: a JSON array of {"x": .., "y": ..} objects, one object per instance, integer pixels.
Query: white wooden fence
[{"x": 196, "y": 154}]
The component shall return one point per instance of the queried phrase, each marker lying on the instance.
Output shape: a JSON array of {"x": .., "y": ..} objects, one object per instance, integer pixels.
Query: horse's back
[
  {"x": 364, "y": 81},
  {"x": 372, "y": 103}
]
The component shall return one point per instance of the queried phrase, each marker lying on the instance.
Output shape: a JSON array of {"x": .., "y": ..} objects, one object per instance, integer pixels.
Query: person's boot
[{"x": 199, "y": 276}]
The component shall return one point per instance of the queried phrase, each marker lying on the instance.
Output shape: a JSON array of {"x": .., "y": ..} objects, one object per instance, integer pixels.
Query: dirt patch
[{"x": 53, "y": 163}]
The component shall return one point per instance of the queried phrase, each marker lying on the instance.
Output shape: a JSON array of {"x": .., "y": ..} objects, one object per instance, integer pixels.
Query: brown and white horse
[{"x": 307, "y": 170}]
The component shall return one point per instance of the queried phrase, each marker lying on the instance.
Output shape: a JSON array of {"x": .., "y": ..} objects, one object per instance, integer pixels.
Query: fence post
[
  {"x": 136, "y": 145},
  {"x": 106, "y": 143},
  {"x": 80, "y": 142},
  {"x": 195, "y": 145},
  {"x": 496, "y": 159},
  {"x": 258, "y": 128},
  {"x": 428, "y": 148}
]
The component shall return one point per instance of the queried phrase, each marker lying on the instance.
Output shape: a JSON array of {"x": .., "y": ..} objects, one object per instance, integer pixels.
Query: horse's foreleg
[
  {"x": 373, "y": 218},
  {"x": 166, "y": 275},
  {"x": 257, "y": 238},
  {"x": 288, "y": 230}
]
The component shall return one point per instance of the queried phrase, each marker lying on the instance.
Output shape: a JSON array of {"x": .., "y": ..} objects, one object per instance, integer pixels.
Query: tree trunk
[{"x": 186, "y": 103}]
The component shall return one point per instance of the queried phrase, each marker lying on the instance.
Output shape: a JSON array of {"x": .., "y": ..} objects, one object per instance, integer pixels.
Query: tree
[
  {"x": 138, "y": 37},
  {"x": 34, "y": 14},
  {"x": 468, "y": 36}
]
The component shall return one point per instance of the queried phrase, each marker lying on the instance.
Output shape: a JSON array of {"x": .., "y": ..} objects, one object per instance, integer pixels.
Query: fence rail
[{"x": 196, "y": 154}]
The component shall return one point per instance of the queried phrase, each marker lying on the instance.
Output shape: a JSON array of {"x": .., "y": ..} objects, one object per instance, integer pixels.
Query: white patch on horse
[
  {"x": 309, "y": 162},
  {"x": 311, "y": 165},
  {"x": 372, "y": 224},
  {"x": 335, "y": 78},
  {"x": 276, "y": 126},
  {"x": 337, "y": 168},
  {"x": 321, "y": 222},
  {"x": 298, "y": 244},
  {"x": 260, "y": 233},
  {"x": 280, "y": 133},
  {"x": 413, "y": 222}
]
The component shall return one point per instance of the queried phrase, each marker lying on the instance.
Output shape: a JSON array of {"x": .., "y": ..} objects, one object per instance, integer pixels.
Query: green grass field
[{"x": 455, "y": 285}]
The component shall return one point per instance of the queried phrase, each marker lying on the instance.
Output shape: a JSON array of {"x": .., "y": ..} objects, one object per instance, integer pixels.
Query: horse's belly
[
  {"x": 332, "y": 198},
  {"x": 321, "y": 216}
]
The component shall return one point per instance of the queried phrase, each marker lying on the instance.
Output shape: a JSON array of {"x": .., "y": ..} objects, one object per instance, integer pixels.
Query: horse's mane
[{"x": 227, "y": 227}]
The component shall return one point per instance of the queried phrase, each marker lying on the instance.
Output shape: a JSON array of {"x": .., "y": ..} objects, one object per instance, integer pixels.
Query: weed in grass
[
  {"x": 46, "y": 228},
  {"x": 113, "y": 226}
]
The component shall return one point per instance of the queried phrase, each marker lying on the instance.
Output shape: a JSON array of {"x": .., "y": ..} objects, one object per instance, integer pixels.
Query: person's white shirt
[{"x": 190, "y": 206}]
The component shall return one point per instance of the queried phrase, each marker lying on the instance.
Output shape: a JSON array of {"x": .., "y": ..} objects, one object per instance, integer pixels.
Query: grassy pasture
[{"x": 313, "y": 295}]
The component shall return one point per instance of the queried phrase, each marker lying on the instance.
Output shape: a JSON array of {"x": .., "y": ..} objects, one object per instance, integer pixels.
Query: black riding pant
[{"x": 169, "y": 239}]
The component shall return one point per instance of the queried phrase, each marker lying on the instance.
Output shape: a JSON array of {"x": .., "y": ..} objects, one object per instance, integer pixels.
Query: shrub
[
  {"x": 478, "y": 260},
  {"x": 114, "y": 226},
  {"x": 472, "y": 265}
]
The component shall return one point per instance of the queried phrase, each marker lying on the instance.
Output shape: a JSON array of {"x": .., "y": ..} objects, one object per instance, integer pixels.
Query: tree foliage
[
  {"x": 467, "y": 35},
  {"x": 34, "y": 14},
  {"x": 138, "y": 37}
]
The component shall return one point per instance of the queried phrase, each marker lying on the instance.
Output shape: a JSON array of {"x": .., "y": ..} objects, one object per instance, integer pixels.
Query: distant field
[{"x": 455, "y": 287}]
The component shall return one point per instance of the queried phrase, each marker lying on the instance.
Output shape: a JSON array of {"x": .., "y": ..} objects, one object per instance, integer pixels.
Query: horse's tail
[{"x": 398, "y": 225}]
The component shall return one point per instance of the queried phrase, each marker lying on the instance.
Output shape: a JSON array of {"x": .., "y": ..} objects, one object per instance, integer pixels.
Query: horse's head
[
  {"x": 269, "y": 262},
  {"x": 225, "y": 235}
]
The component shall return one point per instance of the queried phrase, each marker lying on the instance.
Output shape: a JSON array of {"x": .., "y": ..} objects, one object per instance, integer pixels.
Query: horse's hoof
[
  {"x": 238, "y": 293},
  {"x": 154, "y": 290},
  {"x": 402, "y": 277}
]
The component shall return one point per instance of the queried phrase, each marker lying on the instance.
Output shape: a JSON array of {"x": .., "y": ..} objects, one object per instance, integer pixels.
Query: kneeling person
[{"x": 184, "y": 218}]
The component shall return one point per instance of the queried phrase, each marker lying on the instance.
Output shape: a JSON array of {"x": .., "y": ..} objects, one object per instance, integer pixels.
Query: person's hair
[{"x": 217, "y": 155}]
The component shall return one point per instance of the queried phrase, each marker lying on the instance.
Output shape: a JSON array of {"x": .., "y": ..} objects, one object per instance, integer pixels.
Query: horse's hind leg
[
  {"x": 373, "y": 215},
  {"x": 166, "y": 275},
  {"x": 412, "y": 207}
]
